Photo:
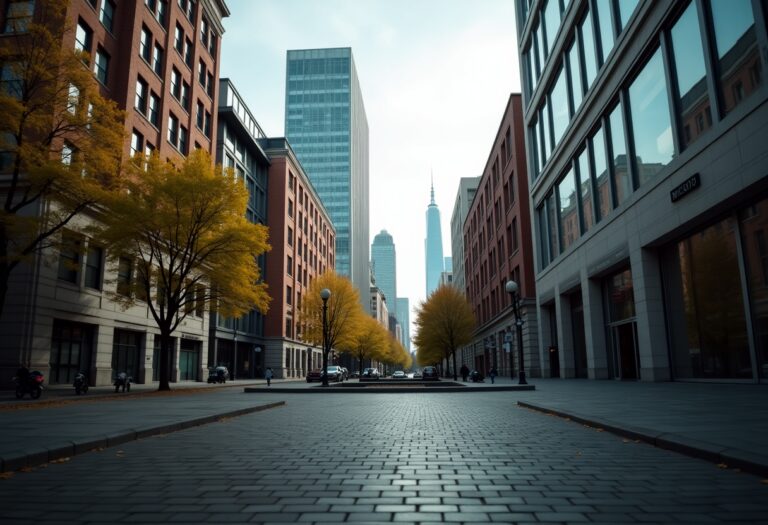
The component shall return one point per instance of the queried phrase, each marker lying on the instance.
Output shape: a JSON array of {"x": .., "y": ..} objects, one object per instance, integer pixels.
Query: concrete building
[
  {"x": 645, "y": 125},
  {"x": 159, "y": 62},
  {"x": 384, "y": 265},
  {"x": 498, "y": 248},
  {"x": 433, "y": 245},
  {"x": 467, "y": 189},
  {"x": 326, "y": 124},
  {"x": 303, "y": 238},
  {"x": 238, "y": 343}
]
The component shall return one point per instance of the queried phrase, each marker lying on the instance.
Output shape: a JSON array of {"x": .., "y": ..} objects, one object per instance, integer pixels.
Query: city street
[{"x": 381, "y": 458}]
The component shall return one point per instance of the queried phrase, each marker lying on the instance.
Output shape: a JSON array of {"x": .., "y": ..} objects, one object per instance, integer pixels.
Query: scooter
[
  {"x": 80, "y": 384},
  {"x": 30, "y": 383},
  {"x": 123, "y": 380}
]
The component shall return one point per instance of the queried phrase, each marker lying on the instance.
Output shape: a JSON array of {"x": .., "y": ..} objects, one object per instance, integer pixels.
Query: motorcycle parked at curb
[
  {"x": 81, "y": 383},
  {"x": 29, "y": 383},
  {"x": 123, "y": 380}
]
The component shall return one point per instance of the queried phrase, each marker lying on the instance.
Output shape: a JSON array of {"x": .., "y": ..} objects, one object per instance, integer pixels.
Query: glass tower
[
  {"x": 384, "y": 261},
  {"x": 325, "y": 123},
  {"x": 433, "y": 245}
]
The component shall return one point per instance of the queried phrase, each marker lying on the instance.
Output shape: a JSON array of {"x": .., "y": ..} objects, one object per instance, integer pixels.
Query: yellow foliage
[
  {"x": 49, "y": 98},
  {"x": 444, "y": 322},
  {"x": 344, "y": 317},
  {"x": 371, "y": 340}
]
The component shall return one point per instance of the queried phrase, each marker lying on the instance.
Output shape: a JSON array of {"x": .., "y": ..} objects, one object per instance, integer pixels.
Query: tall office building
[
  {"x": 325, "y": 123},
  {"x": 433, "y": 245},
  {"x": 464, "y": 197},
  {"x": 645, "y": 130},
  {"x": 404, "y": 316},
  {"x": 384, "y": 262}
]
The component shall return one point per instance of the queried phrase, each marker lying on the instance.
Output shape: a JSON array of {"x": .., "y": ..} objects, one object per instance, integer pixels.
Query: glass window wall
[
  {"x": 551, "y": 22},
  {"x": 626, "y": 8},
  {"x": 559, "y": 101},
  {"x": 554, "y": 248},
  {"x": 585, "y": 184},
  {"x": 622, "y": 183},
  {"x": 739, "y": 69},
  {"x": 569, "y": 210},
  {"x": 574, "y": 67},
  {"x": 753, "y": 223},
  {"x": 588, "y": 46},
  {"x": 651, "y": 127},
  {"x": 600, "y": 174},
  {"x": 605, "y": 24},
  {"x": 695, "y": 115},
  {"x": 545, "y": 129}
]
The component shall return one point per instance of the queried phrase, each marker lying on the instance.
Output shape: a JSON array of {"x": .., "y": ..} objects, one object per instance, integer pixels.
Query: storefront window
[
  {"x": 707, "y": 323},
  {"x": 692, "y": 99},
  {"x": 753, "y": 223},
  {"x": 738, "y": 58}
]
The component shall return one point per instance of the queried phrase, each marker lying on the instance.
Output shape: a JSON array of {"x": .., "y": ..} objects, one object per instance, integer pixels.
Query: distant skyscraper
[
  {"x": 433, "y": 244},
  {"x": 404, "y": 316},
  {"x": 467, "y": 189},
  {"x": 384, "y": 261},
  {"x": 325, "y": 123}
]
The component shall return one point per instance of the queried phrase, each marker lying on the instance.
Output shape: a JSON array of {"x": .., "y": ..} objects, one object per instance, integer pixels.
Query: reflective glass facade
[{"x": 326, "y": 125}]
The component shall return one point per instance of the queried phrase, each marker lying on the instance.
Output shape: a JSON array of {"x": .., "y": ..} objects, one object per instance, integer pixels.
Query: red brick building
[
  {"x": 498, "y": 248},
  {"x": 303, "y": 239}
]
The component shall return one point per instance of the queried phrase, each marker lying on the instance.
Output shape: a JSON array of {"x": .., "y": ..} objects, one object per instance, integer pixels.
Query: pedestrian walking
[
  {"x": 464, "y": 373},
  {"x": 268, "y": 375},
  {"x": 492, "y": 374}
]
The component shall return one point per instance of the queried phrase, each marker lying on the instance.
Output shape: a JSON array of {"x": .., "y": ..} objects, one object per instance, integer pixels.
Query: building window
[
  {"x": 290, "y": 236},
  {"x": 93, "y": 267},
  {"x": 162, "y": 9},
  {"x": 559, "y": 103},
  {"x": 145, "y": 44},
  {"x": 585, "y": 184},
  {"x": 622, "y": 183},
  {"x": 173, "y": 130},
  {"x": 588, "y": 47},
  {"x": 178, "y": 39},
  {"x": 188, "y": 52},
  {"x": 67, "y": 154},
  {"x": 176, "y": 83},
  {"x": 201, "y": 73},
  {"x": 200, "y": 114},
  {"x": 601, "y": 174},
  {"x": 185, "y": 95},
  {"x": 107, "y": 14},
  {"x": 141, "y": 96},
  {"x": 101, "y": 66},
  {"x": 73, "y": 99},
  {"x": 18, "y": 15},
  {"x": 204, "y": 31},
  {"x": 188, "y": 7},
  {"x": 157, "y": 60},
  {"x": 605, "y": 24},
  {"x": 688, "y": 57},
  {"x": 83, "y": 37},
  {"x": 10, "y": 81},
  {"x": 183, "y": 139},
  {"x": 737, "y": 50},
  {"x": 207, "y": 124},
  {"x": 124, "y": 276},
  {"x": 200, "y": 300},
  {"x": 568, "y": 210},
  {"x": 651, "y": 127},
  {"x": 290, "y": 208},
  {"x": 574, "y": 69},
  {"x": 137, "y": 143},
  {"x": 69, "y": 259},
  {"x": 209, "y": 84},
  {"x": 289, "y": 295},
  {"x": 289, "y": 265},
  {"x": 154, "y": 109}
]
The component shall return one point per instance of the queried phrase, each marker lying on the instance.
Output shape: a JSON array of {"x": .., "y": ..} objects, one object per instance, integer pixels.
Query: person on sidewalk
[
  {"x": 492, "y": 374},
  {"x": 268, "y": 375},
  {"x": 464, "y": 372}
]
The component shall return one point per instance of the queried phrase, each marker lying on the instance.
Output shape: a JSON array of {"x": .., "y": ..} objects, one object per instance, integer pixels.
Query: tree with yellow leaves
[
  {"x": 444, "y": 322},
  {"x": 60, "y": 140},
  {"x": 397, "y": 355},
  {"x": 187, "y": 229},
  {"x": 371, "y": 341},
  {"x": 344, "y": 316}
]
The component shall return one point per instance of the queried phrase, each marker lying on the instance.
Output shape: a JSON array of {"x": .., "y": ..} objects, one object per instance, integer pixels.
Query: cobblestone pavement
[{"x": 384, "y": 458}]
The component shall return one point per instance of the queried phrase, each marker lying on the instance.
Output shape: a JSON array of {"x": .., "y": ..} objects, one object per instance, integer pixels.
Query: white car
[{"x": 399, "y": 375}]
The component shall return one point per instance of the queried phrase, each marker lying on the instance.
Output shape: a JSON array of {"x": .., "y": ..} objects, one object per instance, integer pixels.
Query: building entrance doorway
[
  {"x": 579, "y": 338},
  {"x": 624, "y": 340}
]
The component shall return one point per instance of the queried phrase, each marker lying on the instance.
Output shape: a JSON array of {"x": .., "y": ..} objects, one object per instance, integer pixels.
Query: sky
[{"x": 435, "y": 77}]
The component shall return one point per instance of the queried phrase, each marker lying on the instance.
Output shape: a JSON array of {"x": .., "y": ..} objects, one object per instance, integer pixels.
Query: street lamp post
[
  {"x": 234, "y": 354},
  {"x": 512, "y": 289},
  {"x": 325, "y": 294}
]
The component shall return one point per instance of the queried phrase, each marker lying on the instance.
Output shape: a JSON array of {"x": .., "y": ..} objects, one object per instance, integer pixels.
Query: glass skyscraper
[
  {"x": 433, "y": 245},
  {"x": 325, "y": 123},
  {"x": 384, "y": 262}
]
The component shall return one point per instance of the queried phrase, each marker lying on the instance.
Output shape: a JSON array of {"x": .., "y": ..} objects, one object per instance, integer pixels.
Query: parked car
[
  {"x": 417, "y": 375},
  {"x": 430, "y": 373},
  {"x": 399, "y": 374},
  {"x": 218, "y": 374},
  {"x": 370, "y": 373},
  {"x": 335, "y": 373},
  {"x": 476, "y": 377},
  {"x": 314, "y": 375}
]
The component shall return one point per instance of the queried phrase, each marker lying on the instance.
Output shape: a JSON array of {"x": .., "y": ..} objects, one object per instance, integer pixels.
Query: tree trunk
[
  {"x": 454, "y": 366},
  {"x": 165, "y": 359},
  {"x": 5, "y": 270}
]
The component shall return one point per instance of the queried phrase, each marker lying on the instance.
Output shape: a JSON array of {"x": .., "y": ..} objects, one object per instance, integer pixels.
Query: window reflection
[
  {"x": 753, "y": 222},
  {"x": 738, "y": 57},
  {"x": 585, "y": 182},
  {"x": 621, "y": 182},
  {"x": 626, "y": 8},
  {"x": 552, "y": 222},
  {"x": 693, "y": 101},
  {"x": 559, "y": 102},
  {"x": 552, "y": 22},
  {"x": 569, "y": 211},
  {"x": 652, "y": 131},
  {"x": 547, "y": 142},
  {"x": 588, "y": 41},
  {"x": 601, "y": 174},
  {"x": 606, "y": 26},
  {"x": 538, "y": 37},
  {"x": 574, "y": 64}
]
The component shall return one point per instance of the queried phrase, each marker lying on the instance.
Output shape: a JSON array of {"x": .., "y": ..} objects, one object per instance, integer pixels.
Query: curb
[
  {"x": 389, "y": 390},
  {"x": 19, "y": 459},
  {"x": 719, "y": 454}
]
